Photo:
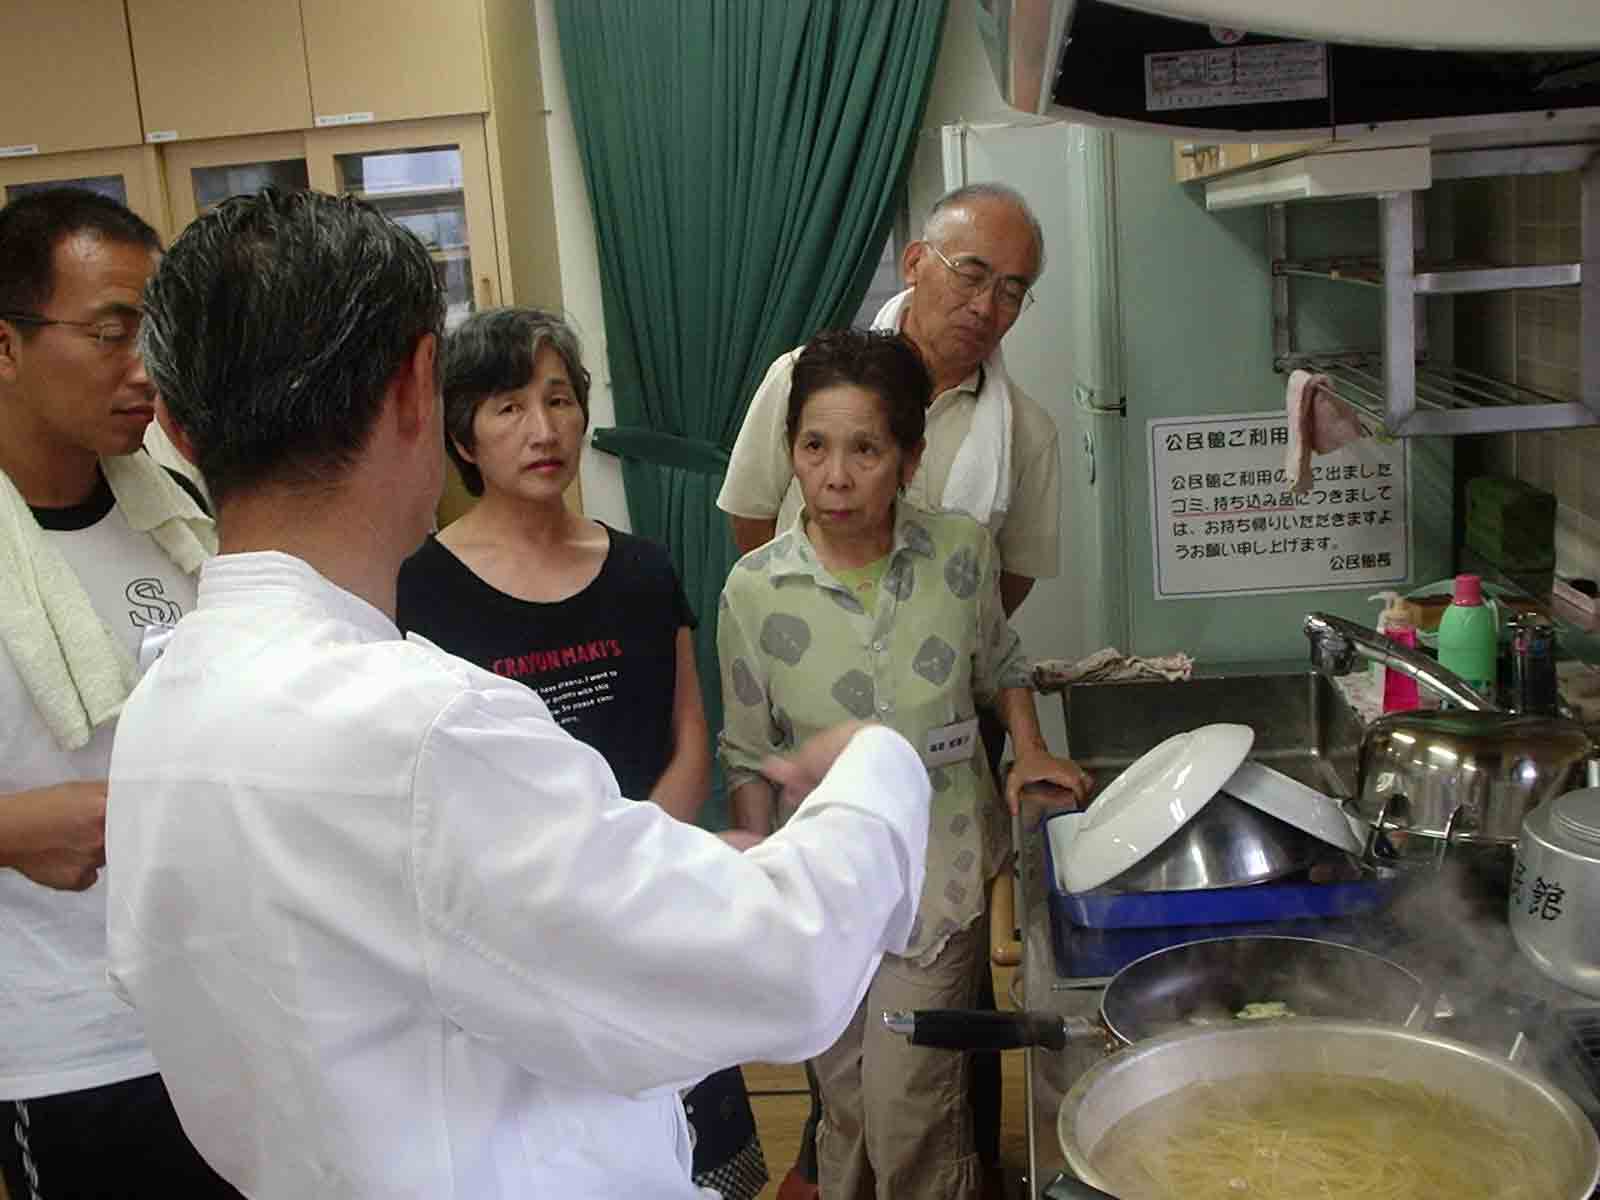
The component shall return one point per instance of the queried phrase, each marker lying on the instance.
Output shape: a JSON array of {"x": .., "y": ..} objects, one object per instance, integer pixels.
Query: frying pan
[{"x": 1194, "y": 984}]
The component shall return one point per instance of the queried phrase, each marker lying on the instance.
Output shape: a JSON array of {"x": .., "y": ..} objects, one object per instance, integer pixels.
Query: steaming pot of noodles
[{"x": 1323, "y": 1110}]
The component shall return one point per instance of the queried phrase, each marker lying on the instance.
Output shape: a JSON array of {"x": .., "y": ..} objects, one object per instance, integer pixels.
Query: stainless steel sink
[{"x": 1304, "y": 726}]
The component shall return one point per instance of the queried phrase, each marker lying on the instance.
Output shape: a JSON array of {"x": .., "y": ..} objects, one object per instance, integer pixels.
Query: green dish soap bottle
[{"x": 1469, "y": 637}]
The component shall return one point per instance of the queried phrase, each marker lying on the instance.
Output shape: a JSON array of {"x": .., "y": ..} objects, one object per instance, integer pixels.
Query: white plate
[
  {"x": 1275, "y": 794},
  {"x": 1151, "y": 801}
]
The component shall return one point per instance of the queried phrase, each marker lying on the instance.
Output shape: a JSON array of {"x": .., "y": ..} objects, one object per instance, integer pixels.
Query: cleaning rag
[
  {"x": 1319, "y": 421},
  {"x": 1110, "y": 665}
]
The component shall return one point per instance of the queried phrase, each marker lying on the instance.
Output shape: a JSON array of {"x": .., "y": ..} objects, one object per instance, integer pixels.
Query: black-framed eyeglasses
[
  {"x": 109, "y": 333},
  {"x": 973, "y": 276}
]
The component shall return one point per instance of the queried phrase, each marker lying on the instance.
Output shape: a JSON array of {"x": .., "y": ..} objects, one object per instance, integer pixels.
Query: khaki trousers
[{"x": 895, "y": 1120}]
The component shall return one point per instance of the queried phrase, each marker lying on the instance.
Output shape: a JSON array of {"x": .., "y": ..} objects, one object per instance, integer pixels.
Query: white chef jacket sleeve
[{"x": 600, "y": 943}]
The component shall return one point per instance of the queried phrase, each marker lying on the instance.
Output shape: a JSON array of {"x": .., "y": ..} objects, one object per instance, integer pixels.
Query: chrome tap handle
[{"x": 1335, "y": 643}]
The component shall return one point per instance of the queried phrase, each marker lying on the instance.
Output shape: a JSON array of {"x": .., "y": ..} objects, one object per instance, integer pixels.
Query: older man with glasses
[
  {"x": 98, "y": 551},
  {"x": 992, "y": 452}
]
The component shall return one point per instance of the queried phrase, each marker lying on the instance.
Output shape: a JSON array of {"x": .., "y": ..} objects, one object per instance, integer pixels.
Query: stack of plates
[{"x": 1166, "y": 789}]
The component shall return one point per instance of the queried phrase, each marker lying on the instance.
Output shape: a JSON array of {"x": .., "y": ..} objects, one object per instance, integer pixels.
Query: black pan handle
[
  {"x": 1065, "y": 1187},
  {"x": 962, "y": 1029}
]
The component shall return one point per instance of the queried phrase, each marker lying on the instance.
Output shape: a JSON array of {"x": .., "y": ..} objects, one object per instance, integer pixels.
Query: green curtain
[{"x": 743, "y": 159}]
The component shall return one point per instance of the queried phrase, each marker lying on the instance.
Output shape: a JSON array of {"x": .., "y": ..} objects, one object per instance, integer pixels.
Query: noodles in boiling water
[{"x": 1306, "y": 1136}]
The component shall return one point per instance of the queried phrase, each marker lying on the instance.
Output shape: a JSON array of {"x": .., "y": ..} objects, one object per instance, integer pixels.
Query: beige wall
[
  {"x": 601, "y": 474},
  {"x": 963, "y": 90}
]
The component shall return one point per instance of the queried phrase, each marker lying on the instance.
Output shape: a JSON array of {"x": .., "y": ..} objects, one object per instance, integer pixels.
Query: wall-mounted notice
[
  {"x": 1230, "y": 75},
  {"x": 1225, "y": 522}
]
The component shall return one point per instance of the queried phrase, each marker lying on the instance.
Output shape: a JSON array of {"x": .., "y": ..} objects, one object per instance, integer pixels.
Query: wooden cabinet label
[
  {"x": 355, "y": 118},
  {"x": 161, "y": 135},
  {"x": 17, "y": 151}
]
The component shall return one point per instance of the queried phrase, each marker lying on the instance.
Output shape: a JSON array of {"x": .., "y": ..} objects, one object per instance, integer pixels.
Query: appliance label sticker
[
  {"x": 324, "y": 120},
  {"x": 1225, "y": 520},
  {"x": 1228, "y": 75},
  {"x": 18, "y": 151}
]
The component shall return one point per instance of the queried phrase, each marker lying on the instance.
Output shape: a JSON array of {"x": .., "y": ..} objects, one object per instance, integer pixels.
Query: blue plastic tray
[{"x": 1284, "y": 900}]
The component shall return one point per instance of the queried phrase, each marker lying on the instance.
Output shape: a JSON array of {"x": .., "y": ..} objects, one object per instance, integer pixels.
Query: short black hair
[
  {"x": 491, "y": 353},
  {"x": 884, "y": 363},
  {"x": 273, "y": 326},
  {"x": 35, "y": 223}
]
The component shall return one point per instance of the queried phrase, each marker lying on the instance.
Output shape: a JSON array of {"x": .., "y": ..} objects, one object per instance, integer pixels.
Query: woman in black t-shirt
[{"x": 592, "y": 619}]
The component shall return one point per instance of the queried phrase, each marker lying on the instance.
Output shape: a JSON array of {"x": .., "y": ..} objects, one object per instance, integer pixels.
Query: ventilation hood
[{"x": 1276, "y": 69}]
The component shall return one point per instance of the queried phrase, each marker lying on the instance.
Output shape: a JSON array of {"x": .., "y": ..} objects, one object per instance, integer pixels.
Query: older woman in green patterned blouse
[{"x": 870, "y": 608}]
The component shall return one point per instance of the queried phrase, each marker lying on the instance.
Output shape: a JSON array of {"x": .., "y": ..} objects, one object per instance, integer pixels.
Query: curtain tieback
[{"x": 662, "y": 449}]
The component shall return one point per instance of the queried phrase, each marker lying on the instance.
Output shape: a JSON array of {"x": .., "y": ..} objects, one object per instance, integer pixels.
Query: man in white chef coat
[{"x": 392, "y": 932}]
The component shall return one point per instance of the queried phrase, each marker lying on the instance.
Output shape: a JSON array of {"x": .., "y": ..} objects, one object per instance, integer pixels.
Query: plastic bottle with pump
[
  {"x": 1469, "y": 637},
  {"x": 1400, "y": 692}
]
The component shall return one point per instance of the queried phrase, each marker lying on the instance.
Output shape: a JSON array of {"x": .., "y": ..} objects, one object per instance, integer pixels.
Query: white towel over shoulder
[
  {"x": 77, "y": 672},
  {"x": 980, "y": 477}
]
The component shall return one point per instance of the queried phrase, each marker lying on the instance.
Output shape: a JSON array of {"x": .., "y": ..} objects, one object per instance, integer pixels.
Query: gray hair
[
  {"x": 273, "y": 327},
  {"x": 976, "y": 193},
  {"x": 491, "y": 353}
]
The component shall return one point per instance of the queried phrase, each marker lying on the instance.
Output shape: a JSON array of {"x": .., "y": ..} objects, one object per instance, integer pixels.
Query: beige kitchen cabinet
[
  {"x": 517, "y": 131},
  {"x": 394, "y": 60},
  {"x": 200, "y": 174},
  {"x": 130, "y": 175},
  {"x": 67, "y": 79},
  {"x": 433, "y": 178},
  {"x": 1198, "y": 160},
  {"x": 219, "y": 69}
]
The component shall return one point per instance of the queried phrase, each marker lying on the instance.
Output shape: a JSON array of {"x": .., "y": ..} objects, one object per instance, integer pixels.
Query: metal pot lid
[{"x": 1575, "y": 817}]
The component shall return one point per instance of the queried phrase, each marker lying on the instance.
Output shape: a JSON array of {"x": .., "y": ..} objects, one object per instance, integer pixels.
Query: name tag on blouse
[{"x": 951, "y": 743}]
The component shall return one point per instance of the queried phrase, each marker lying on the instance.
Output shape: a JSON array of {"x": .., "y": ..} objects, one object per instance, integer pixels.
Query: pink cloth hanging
[{"x": 1319, "y": 421}]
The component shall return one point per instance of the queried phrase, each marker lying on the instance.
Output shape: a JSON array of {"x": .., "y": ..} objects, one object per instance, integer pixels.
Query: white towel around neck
[
  {"x": 980, "y": 477},
  {"x": 75, "y": 669}
]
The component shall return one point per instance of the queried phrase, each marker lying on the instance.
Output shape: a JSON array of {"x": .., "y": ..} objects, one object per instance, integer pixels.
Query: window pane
[
  {"x": 212, "y": 185},
  {"x": 422, "y": 190}
]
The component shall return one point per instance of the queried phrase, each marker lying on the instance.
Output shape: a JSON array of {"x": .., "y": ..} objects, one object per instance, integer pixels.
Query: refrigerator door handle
[{"x": 1088, "y": 400}]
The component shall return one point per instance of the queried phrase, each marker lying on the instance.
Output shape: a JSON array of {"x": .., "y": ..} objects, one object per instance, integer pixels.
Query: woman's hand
[{"x": 1063, "y": 784}]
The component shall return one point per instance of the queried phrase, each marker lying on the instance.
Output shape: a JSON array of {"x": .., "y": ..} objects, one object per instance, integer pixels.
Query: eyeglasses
[
  {"x": 109, "y": 333},
  {"x": 973, "y": 276}
]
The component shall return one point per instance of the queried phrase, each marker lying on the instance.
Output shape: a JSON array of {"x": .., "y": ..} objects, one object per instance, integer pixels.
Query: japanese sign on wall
[
  {"x": 1263, "y": 74},
  {"x": 1226, "y": 522}
]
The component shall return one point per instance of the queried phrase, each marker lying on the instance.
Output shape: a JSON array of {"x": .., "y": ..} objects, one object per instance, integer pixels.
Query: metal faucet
[{"x": 1336, "y": 643}]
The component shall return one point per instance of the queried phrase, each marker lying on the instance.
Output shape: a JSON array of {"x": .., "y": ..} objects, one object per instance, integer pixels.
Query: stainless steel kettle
[{"x": 1427, "y": 781}]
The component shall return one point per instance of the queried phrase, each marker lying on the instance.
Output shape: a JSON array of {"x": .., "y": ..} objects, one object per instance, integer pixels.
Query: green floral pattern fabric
[{"x": 800, "y": 653}]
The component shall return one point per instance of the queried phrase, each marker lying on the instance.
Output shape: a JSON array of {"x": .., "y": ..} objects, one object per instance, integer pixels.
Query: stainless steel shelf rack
[{"x": 1397, "y": 386}]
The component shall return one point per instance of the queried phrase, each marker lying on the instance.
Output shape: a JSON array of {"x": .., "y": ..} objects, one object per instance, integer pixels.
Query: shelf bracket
[{"x": 1399, "y": 306}]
